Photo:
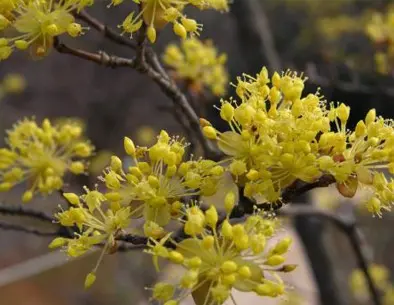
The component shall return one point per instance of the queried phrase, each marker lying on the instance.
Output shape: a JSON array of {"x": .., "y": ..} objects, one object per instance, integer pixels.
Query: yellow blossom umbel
[
  {"x": 41, "y": 156},
  {"x": 199, "y": 64},
  {"x": 278, "y": 135},
  {"x": 157, "y": 13},
  {"x": 158, "y": 178},
  {"x": 35, "y": 23},
  {"x": 217, "y": 260},
  {"x": 98, "y": 223}
]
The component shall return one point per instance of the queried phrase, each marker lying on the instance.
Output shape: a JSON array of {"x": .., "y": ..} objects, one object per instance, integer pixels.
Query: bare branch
[
  {"x": 107, "y": 31},
  {"x": 146, "y": 62},
  {"x": 19, "y": 211},
  {"x": 101, "y": 58},
  {"x": 180, "y": 101},
  {"x": 349, "y": 228},
  {"x": 13, "y": 227}
]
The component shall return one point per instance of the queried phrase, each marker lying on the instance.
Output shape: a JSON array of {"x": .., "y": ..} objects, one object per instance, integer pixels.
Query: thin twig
[
  {"x": 19, "y": 211},
  {"x": 180, "y": 101},
  {"x": 101, "y": 58},
  {"x": 107, "y": 31},
  {"x": 142, "y": 63},
  {"x": 349, "y": 228},
  {"x": 13, "y": 227}
]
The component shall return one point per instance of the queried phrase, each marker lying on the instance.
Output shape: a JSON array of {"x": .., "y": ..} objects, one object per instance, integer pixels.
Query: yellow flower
[
  {"x": 41, "y": 156},
  {"x": 157, "y": 13},
  {"x": 272, "y": 141},
  {"x": 199, "y": 63},
  {"x": 158, "y": 178},
  {"x": 216, "y": 261},
  {"x": 36, "y": 23},
  {"x": 279, "y": 136},
  {"x": 98, "y": 222}
]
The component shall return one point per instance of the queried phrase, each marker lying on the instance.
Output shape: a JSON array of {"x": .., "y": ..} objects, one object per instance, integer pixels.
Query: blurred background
[{"x": 344, "y": 47}]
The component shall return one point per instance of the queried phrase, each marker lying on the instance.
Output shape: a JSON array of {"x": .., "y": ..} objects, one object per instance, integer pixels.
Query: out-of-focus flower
[
  {"x": 199, "y": 63},
  {"x": 41, "y": 156},
  {"x": 12, "y": 83}
]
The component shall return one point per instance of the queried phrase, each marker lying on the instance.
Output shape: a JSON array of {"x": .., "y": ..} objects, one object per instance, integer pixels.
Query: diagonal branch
[
  {"x": 181, "y": 102},
  {"x": 146, "y": 62}
]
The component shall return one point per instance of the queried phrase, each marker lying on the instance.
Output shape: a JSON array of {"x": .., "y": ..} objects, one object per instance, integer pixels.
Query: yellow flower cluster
[
  {"x": 98, "y": 223},
  {"x": 157, "y": 13},
  {"x": 199, "y": 64},
  {"x": 279, "y": 136},
  {"x": 150, "y": 188},
  {"x": 35, "y": 23},
  {"x": 217, "y": 260},
  {"x": 157, "y": 180},
  {"x": 381, "y": 278},
  {"x": 41, "y": 155},
  {"x": 380, "y": 29}
]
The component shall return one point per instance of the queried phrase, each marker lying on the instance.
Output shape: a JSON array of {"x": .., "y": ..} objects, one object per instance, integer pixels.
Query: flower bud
[
  {"x": 343, "y": 112},
  {"x": 211, "y": 216},
  {"x": 129, "y": 146},
  {"x": 21, "y": 44},
  {"x": 227, "y": 112},
  {"x": 190, "y": 24},
  {"x": 77, "y": 167},
  {"x": 89, "y": 280},
  {"x": 274, "y": 260},
  {"x": 27, "y": 196},
  {"x": 180, "y": 30},
  {"x": 57, "y": 242},
  {"x": 229, "y": 267},
  {"x": 151, "y": 33},
  {"x": 209, "y": 132},
  {"x": 229, "y": 202}
]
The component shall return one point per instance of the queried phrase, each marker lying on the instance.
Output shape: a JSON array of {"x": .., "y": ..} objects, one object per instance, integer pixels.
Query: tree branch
[
  {"x": 107, "y": 31},
  {"x": 349, "y": 228},
  {"x": 100, "y": 58},
  {"x": 180, "y": 101},
  {"x": 247, "y": 206},
  {"x": 13, "y": 227},
  {"x": 146, "y": 62},
  {"x": 19, "y": 211}
]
